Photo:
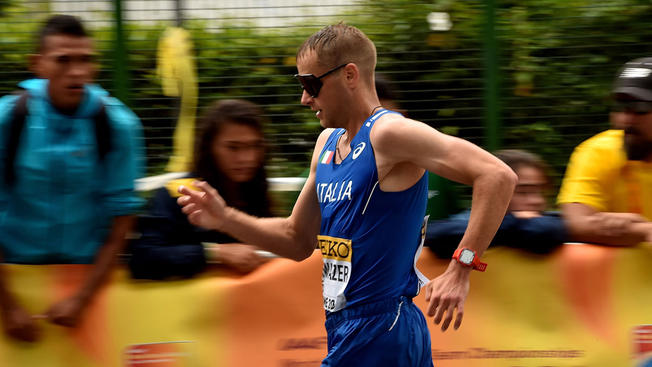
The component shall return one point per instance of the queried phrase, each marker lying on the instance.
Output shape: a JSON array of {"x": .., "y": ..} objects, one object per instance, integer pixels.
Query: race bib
[{"x": 337, "y": 254}]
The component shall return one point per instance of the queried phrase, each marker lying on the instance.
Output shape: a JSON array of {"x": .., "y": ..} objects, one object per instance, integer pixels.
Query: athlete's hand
[
  {"x": 446, "y": 294},
  {"x": 204, "y": 208}
]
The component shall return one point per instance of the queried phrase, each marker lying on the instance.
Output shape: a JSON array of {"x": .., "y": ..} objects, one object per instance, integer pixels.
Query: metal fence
[{"x": 503, "y": 74}]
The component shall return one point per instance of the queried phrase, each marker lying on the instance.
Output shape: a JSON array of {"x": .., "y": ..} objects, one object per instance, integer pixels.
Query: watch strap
[
  {"x": 478, "y": 265},
  {"x": 475, "y": 264}
]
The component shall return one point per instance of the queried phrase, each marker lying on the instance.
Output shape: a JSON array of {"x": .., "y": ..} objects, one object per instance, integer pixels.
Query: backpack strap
[
  {"x": 16, "y": 125},
  {"x": 102, "y": 132}
]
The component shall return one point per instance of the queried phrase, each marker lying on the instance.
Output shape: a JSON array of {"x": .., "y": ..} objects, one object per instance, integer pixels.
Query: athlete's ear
[{"x": 352, "y": 74}]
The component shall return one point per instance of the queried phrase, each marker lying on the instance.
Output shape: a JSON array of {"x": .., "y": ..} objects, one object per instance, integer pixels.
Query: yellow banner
[{"x": 581, "y": 306}]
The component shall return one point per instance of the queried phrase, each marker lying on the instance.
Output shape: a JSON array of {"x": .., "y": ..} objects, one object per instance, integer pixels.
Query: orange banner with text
[{"x": 581, "y": 306}]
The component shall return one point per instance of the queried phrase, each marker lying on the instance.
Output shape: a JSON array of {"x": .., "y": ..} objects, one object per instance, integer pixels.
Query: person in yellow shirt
[{"x": 606, "y": 194}]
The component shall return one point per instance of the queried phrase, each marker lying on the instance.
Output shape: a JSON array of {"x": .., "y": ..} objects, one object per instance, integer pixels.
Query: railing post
[
  {"x": 178, "y": 7},
  {"x": 491, "y": 79},
  {"x": 120, "y": 73}
]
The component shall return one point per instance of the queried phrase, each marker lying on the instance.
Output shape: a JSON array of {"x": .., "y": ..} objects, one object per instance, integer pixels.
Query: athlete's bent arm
[
  {"x": 294, "y": 237},
  {"x": 399, "y": 141}
]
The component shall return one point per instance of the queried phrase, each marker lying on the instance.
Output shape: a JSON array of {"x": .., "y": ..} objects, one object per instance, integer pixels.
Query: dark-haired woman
[
  {"x": 526, "y": 226},
  {"x": 230, "y": 155}
]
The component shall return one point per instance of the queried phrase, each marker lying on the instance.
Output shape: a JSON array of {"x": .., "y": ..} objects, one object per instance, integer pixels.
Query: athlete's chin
[{"x": 325, "y": 123}]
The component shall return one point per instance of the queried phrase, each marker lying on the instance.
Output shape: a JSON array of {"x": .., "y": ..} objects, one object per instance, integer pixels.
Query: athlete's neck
[{"x": 366, "y": 106}]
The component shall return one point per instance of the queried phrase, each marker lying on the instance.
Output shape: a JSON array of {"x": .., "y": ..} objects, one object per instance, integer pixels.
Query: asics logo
[{"x": 359, "y": 149}]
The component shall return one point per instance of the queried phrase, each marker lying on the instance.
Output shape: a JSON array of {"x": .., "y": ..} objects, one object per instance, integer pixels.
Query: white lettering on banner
[{"x": 334, "y": 191}]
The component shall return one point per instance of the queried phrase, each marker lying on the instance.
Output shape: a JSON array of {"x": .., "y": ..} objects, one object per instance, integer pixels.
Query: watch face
[{"x": 466, "y": 257}]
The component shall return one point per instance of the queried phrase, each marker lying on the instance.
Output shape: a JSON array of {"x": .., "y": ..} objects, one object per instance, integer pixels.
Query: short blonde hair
[{"x": 339, "y": 44}]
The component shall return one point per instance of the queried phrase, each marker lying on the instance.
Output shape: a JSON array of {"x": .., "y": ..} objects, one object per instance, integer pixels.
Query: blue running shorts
[{"x": 390, "y": 333}]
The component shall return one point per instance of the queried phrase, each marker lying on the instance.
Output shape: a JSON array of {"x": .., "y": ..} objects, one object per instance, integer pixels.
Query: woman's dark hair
[
  {"x": 516, "y": 158},
  {"x": 252, "y": 196}
]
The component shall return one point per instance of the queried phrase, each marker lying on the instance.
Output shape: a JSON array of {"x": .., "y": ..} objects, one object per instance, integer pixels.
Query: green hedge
[{"x": 557, "y": 61}]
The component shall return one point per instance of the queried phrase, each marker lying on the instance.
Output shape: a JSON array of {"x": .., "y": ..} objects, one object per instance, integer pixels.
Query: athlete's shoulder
[
  {"x": 390, "y": 127},
  {"x": 325, "y": 134},
  {"x": 323, "y": 138}
]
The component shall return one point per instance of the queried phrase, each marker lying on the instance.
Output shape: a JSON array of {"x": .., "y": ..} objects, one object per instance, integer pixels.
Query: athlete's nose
[{"x": 306, "y": 99}]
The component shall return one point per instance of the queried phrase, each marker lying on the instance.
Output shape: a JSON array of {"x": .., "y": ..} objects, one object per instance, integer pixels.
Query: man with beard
[{"x": 606, "y": 194}]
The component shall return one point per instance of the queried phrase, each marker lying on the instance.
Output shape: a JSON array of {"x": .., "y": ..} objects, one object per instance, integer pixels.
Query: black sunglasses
[
  {"x": 636, "y": 107},
  {"x": 312, "y": 84}
]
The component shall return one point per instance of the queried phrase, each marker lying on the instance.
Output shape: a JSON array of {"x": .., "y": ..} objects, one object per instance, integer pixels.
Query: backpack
[{"x": 17, "y": 123}]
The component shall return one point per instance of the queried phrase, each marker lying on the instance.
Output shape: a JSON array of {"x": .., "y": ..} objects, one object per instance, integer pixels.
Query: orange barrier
[{"x": 582, "y": 306}]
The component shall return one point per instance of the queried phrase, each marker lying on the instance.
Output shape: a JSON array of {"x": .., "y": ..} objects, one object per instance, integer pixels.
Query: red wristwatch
[{"x": 468, "y": 257}]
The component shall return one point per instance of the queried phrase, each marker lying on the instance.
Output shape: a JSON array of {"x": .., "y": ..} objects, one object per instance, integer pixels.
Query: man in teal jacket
[{"x": 65, "y": 202}]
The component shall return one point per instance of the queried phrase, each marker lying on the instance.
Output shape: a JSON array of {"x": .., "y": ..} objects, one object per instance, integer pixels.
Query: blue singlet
[{"x": 370, "y": 240}]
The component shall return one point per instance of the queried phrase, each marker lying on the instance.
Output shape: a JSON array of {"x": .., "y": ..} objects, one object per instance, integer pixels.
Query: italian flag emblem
[{"x": 326, "y": 157}]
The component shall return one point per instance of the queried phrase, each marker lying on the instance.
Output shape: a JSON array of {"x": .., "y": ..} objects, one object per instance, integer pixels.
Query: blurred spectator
[
  {"x": 443, "y": 199},
  {"x": 387, "y": 95},
  {"x": 606, "y": 194},
  {"x": 229, "y": 154},
  {"x": 68, "y": 160},
  {"x": 526, "y": 225}
]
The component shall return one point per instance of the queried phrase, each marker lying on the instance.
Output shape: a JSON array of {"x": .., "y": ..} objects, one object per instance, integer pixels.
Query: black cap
[{"x": 635, "y": 79}]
